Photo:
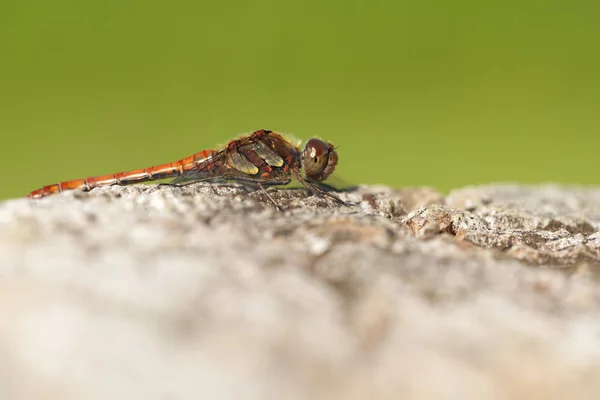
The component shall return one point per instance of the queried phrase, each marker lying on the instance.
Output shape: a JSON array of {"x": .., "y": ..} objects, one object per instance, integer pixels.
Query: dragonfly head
[{"x": 318, "y": 160}]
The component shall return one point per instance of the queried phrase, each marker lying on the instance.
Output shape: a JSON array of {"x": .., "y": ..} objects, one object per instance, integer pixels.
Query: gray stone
[{"x": 208, "y": 291}]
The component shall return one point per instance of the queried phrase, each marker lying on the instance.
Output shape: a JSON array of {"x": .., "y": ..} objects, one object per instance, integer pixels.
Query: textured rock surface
[{"x": 208, "y": 292}]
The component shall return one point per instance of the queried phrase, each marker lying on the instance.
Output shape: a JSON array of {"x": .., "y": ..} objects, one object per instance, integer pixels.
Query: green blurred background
[{"x": 441, "y": 93}]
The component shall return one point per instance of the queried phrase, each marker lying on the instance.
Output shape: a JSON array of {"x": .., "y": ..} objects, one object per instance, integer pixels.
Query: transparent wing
[
  {"x": 240, "y": 161},
  {"x": 237, "y": 160},
  {"x": 211, "y": 168},
  {"x": 268, "y": 154}
]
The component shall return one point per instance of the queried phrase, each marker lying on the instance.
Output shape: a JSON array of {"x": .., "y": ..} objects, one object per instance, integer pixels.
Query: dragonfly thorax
[{"x": 318, "y": 160}]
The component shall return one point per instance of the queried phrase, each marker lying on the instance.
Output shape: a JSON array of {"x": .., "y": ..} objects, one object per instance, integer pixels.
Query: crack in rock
[{"x": 533, "y": 235}]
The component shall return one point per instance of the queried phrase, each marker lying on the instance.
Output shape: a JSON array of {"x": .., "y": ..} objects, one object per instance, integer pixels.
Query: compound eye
[{"x": 318, "y": 159}]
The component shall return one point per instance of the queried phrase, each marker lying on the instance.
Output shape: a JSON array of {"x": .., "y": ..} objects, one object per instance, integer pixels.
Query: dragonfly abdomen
[{"x": 163, "y": 171}]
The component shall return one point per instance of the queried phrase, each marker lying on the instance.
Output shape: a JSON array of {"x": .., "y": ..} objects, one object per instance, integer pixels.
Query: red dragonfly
[{"x": 263, "y": 158}]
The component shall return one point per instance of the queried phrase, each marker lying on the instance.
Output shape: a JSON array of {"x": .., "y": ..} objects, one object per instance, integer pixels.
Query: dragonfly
[{"x": 262, "y": 159}]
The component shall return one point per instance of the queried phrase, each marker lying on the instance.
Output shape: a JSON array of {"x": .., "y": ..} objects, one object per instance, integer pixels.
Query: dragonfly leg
[
  {"x": 315, "y": 189},
  {"x": 277, "y": 206}
]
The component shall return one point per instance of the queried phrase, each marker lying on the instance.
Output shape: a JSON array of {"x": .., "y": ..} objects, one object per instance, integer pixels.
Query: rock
[{"x": 207, "y": 291}]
